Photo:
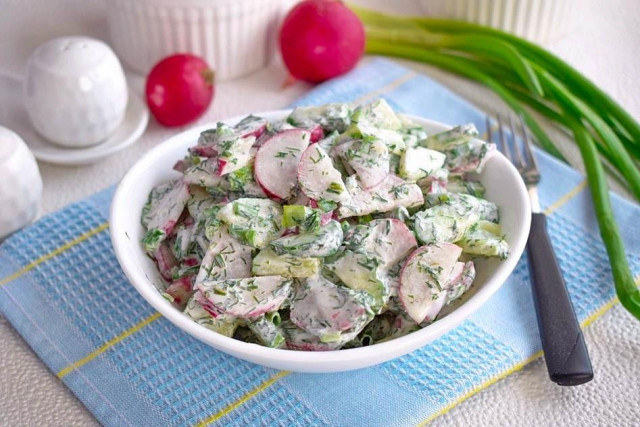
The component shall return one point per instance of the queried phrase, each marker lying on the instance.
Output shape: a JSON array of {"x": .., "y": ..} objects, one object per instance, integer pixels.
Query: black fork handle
[{"x": 564, "y": 348}]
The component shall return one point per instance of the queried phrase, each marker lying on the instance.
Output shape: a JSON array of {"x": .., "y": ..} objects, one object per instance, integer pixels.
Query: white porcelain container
[
  {"x": 75, "y": 91},
  {"x": 537, "y": 20},
  {"x": 235, "y": 37},
  {"x": 20, "y": 183}
]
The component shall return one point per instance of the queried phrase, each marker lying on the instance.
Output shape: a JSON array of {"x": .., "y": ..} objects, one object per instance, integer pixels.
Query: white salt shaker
[
  {"x": 20, "y": 183},
  {"x": 75, "y": 91}
]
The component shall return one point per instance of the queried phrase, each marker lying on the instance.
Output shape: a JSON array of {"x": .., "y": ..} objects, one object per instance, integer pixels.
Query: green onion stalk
[{"x": 527, "y": 77}]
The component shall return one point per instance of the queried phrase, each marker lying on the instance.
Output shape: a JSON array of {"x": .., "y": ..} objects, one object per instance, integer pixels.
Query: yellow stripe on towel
[
  {"x": 81, "y": 238},
  {"x": 108, "y": 345},
  {"x": 235, "y": 405}
]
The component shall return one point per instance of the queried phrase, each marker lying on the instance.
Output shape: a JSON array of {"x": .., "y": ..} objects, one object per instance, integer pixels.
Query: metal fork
[{"x": 564, "y": 348}]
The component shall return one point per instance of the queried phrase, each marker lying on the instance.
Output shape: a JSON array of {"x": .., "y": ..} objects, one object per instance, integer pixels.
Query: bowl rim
[{"x": 407, "y": 342}]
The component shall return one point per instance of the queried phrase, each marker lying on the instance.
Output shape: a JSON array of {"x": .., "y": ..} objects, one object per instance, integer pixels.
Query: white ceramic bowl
[
  {"x": 536, "y": 20},
  {"x": 235, "y": 37},
  {"x": 504, "y": 187},
  {"x": 20, "y": 183},
  {"x": 75, "y": 91}
]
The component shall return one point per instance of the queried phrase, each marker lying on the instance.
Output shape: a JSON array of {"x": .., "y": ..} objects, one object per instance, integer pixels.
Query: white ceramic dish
[
  {"x": 504, "y": 187},
  {"x": 235, "y": 37},
  {"x": 14, "y": 115}
]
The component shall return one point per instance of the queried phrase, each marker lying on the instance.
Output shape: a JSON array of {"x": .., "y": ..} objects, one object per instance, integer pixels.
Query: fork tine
[
  {"x": 504, "y": 146},
  {"x": 516, "y": 146},
  {"x": 488, "y": 133},
  {"x": 527, "y": 143}
]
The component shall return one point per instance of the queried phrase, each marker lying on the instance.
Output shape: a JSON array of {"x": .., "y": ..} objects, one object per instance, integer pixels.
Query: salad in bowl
[{"x": 329, "y": 228}]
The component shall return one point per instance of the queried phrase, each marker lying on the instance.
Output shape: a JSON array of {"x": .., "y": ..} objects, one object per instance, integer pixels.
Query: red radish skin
[
  {"x": 205, "y": 174},
  {"x": 181, "y": 290},
  {"x": 276, "y": 164},
  {"x": 207, "y": 305},
  {"x": 256, "y": 130},
  {"x": 316, "y": 133},
  {"x": 179, "y": 89},
  {"x": 321, "y": 39},
  {"x": 241, "y": 155},
  {"x": 165, "y": 261},
  {"x": 325, "y": 217},
  {"x": 180, "y": 166}
]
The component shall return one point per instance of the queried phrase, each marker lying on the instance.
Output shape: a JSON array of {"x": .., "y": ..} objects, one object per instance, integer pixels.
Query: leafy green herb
[
  {"x": 152, "y": 239},
  {"x": 239, "y": 178},
  {"x": 327, "y": 205}
]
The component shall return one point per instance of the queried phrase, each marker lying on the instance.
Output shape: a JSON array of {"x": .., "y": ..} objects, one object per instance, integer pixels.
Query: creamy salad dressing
[{"x": 335, "y": 228}]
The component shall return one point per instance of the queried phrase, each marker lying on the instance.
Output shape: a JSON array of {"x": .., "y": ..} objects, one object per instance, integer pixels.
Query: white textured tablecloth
[{"x": 604, "y": 45}]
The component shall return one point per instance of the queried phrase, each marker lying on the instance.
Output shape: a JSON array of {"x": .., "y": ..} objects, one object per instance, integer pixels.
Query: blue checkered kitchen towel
[{"x": 62, "y": 289}]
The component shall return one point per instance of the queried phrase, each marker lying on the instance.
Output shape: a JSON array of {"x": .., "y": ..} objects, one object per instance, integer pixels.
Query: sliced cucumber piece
[
  {"x": 323, "y": 242},
  {"x": 454, "y": 136},
  {"x": 269, "y": 263},
  {"x": 360, "y": 271},
  {"x": 331, "y": 117},
  {"x": 254, "y": 221},
  {"x": 377, "y": 114},
  {"x": 269, "y": 334},
  {"x": 442, "y": 223},
  {"x": 417, "y": 163},
  {"x": 485, "y": 238}
]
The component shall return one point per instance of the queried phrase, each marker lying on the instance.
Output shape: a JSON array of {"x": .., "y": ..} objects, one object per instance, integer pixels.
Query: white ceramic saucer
[{"x": 14, "y": 116}]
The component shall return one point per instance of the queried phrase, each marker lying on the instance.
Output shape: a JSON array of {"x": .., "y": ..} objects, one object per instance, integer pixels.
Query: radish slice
[
  {"x": 331, "y": 312},
  {"x": 205, "y": 174},
  {"x": 165, "y": 260},
  {"x": 299, "y": 339},
  {"x": 238, "y": 155},
  {"x": 390, "y": 239},
  {"x": 161, "y": 213},
  {"x": 251, "y": 126},
  {"x": 180, "y": 291},
  {"x": 318, "y": 178},
  {"x": 226, "y": 258},
  {"x": 461, "y": 280},
  {"x": 391, "y": 193},
  {"x": 276, "y": 165},
  {"x": 316, "y": 133},
  {"x": 222, "y": 324},
  {"x": 246, "y": 298},
  {"x": 424, "y": 276},
  {"x": 369, "y": 159}
]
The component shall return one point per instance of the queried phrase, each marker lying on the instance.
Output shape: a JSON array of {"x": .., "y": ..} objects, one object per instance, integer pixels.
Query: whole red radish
[
  {"x": 321, "y": 39},
  {"x": 179, "y": 89}
]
